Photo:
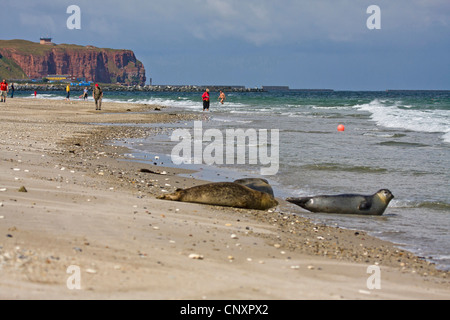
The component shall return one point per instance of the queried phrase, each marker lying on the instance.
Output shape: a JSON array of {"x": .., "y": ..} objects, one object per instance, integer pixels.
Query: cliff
[{"x": 21, "y": 59}]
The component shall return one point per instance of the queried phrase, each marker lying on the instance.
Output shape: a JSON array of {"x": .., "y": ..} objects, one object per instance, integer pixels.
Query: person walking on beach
[
  {"x": 98, "y": 95},
  {"x": 3, "y": 90},
  {"x": 68, "y": 92},
  {"x": 205, "y": 98},
  {"x": 222, "y": 97},
  {"x": 85, "y": 93},
  {"x": 12, "y": 90}
]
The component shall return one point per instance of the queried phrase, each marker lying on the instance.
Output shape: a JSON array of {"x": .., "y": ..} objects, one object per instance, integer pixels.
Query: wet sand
[{"x": 86, "y": 207}]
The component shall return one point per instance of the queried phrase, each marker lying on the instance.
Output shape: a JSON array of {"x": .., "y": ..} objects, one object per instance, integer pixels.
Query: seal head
[{"x": 257, "y": 184}]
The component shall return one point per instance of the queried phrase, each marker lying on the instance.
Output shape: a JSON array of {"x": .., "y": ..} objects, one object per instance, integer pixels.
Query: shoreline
[
  {"x": 135, "y": 88},
  {"x": 219, "y": 173},
  {"x": 85, "y": 206}
]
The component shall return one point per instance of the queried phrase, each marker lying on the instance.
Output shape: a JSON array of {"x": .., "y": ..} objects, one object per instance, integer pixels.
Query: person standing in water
[
  {"x": 68, "y": 92},
  {"x": 85, "y": 93},
  {"x": 205, "y": 98},
  {"x": 222, "y": 97}
]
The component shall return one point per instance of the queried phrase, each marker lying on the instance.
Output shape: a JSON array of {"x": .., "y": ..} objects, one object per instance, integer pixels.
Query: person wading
[{"x": 205, "y": 98}]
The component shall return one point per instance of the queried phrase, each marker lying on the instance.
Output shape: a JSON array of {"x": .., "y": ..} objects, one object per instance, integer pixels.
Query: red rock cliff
[{"x": 94, "y": 64}]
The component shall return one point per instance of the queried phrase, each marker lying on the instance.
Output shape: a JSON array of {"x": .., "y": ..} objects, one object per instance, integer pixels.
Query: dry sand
[{"x": 86, "y": 207}]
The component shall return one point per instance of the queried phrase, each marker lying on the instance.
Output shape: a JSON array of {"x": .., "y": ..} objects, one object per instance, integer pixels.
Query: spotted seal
[
  {"x": 228, "y": 194},
  {"x": 374, "y": 204}
]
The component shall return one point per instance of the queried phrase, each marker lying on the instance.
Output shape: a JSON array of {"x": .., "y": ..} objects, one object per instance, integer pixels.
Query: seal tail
[{"x": 299, "y": 201}]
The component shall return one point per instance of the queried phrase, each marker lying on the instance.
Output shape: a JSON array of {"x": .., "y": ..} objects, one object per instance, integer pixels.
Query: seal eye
[{"x": 388, "y": 194}]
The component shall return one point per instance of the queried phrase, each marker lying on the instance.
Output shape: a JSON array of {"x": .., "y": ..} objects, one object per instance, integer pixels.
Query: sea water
[{"x": 394, "y": 140}]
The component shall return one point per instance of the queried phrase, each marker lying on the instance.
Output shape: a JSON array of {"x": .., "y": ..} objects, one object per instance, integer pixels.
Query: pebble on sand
[{"x": 196, "y": 256}]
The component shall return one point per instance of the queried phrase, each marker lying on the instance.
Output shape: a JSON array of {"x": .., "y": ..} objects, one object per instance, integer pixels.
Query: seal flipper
[
  {"x": 176, "y": 196},
  {"x": 302, "y": 201},
  {"x": 365, "y": 205}
]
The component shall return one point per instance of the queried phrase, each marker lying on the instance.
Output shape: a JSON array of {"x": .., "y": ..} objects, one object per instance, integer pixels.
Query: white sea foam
[
  {"x": 391, "y": 116},
  {"x": 232, "y": 120},
  {"x": 446, "y": 137},
  {"x": 165, "y": 102},
  {"x": 46, "y": 96}
]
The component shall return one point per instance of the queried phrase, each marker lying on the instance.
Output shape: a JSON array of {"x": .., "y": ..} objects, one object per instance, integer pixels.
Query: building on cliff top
[{"x": 45, "y": 40}]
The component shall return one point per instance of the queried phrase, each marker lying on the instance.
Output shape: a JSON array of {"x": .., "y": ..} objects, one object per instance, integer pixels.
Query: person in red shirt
[
  {"x": 3, "y": 90},
  {"x": 205, "y": 98}
]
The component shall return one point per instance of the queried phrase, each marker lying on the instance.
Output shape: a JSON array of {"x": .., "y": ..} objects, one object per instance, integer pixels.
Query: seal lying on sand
[
  {"x": 347, "y": 203},
  {"x": 256, "y": 184},
  {"x": 228, "y": 194}
]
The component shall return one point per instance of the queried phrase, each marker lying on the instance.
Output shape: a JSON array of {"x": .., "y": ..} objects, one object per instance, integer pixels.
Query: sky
[{"x": 316, "y": 44}]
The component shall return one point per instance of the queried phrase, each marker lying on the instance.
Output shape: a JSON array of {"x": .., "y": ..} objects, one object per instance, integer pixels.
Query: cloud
[
  {"x": 42, "y": 22},
  {"x": 256, "y": 22},
  {"x": 285, "y": 40}
]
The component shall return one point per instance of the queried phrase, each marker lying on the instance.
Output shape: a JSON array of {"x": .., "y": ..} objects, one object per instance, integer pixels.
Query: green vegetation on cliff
[{"x": 10, "y": 70}]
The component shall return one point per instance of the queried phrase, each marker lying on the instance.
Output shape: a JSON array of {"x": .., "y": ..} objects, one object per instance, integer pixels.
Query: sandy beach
[{"x": 85, "y": 207}]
